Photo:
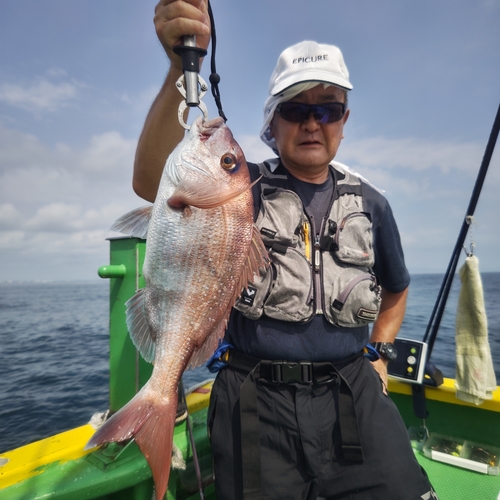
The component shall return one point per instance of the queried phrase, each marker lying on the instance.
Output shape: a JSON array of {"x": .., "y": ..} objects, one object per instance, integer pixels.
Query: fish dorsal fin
[
  {"x": 257, "y": 258},
  {"x": 134, "y": 223},
  {"x": 138, "y": 326}
]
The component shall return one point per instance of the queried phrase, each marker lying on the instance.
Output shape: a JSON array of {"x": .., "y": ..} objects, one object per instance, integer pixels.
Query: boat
[
  {"x": 58, "y": 467},
  {"x": 456, "y": 442}
]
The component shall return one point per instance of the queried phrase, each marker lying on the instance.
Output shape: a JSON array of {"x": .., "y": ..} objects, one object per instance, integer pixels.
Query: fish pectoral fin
[
  {"x": 257, "y": 258},
  {"x": 134, "y": 223},
  {"x": 202, "y": 195},
  {"x": 202, "y": 353},
  {"x": 140, "y": 332}
]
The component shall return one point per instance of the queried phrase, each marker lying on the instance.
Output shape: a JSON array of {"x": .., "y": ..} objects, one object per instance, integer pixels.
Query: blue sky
[{"x": 77, "y": 79}]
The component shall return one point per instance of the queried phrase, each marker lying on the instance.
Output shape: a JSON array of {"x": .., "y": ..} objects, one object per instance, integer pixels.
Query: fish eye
[{"x": 228, "y": 161}]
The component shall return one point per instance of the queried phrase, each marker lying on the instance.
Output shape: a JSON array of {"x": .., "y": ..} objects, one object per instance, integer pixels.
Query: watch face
[
  {"x": 389, "y": 351},
  {"x": 386, "y": 350}
]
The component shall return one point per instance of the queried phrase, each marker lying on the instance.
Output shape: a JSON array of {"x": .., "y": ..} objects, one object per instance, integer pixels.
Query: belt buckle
[{"x": 285, "y": 372}]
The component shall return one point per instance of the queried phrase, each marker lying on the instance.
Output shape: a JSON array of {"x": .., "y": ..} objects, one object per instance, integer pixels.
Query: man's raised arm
[{"x": 162, "y": 131}]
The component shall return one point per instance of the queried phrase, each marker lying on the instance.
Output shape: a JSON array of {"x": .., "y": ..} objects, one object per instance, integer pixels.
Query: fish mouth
[{"x": 206, "y": 128}]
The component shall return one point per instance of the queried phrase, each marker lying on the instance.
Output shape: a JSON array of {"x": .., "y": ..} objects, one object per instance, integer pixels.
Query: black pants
[{"x": 300, "y": 446}]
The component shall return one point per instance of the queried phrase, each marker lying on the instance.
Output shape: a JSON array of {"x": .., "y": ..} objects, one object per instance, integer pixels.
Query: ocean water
[{"x": 54, "y": 350}]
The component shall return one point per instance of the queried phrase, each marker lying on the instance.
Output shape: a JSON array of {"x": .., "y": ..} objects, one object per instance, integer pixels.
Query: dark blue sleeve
[{"x": 390, "y": 265}]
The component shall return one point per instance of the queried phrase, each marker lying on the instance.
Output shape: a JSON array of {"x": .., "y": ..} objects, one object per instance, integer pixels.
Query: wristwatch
[{"x": 386, "y": 350}]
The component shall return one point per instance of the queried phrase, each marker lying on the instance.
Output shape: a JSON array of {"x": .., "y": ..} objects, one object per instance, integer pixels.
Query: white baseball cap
[
  {"x": 309, "y": 61},
  {"x": 300, "y": 68}
]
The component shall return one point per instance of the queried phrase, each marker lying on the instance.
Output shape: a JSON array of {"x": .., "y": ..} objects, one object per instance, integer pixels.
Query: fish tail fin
[
  {"x": 151, "y": 424},
  {"x": 155, "y": 440}
]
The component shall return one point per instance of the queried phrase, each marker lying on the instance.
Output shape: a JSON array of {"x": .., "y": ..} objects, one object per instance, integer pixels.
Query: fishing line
[{"x": 196, "y": 462}]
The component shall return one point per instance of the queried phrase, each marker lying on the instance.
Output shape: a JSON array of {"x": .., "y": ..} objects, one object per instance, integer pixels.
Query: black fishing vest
[{"x": 325, "y": 273}]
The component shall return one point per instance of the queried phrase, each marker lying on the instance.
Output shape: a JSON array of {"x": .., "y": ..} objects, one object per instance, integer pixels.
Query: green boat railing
[{"x": 128, "y": 372}]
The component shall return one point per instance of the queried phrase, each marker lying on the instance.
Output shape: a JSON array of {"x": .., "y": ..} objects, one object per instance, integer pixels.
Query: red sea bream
[{"x": 202, "y": 249}]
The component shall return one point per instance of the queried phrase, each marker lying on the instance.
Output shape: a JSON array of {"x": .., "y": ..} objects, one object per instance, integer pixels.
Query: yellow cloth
[{"x": 475, "y": 376}]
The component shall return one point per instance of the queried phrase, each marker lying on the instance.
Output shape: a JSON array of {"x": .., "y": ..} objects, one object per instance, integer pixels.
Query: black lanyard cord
[{"x": 214, "y": 77}]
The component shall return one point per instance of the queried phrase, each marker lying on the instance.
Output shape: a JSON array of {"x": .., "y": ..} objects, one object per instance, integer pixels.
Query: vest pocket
[
  {"x": 290, "y": 298},
  {"x": 280, "y": 218},
  {"x": 354, "y": 241},
  {"x": 252, "y": 298},
  {"x": 355, "y": 299}
]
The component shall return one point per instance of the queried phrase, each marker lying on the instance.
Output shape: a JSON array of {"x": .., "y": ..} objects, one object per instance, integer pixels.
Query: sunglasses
[{"x": 298, "y": 112}]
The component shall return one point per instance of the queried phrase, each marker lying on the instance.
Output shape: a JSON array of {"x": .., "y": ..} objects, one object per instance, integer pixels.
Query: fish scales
[
  {"x": 202, "y": 249},
  {"x": 193, "y": 272}
]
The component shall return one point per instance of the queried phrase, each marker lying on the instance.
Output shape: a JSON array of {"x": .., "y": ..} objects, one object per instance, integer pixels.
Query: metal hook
[
  {"x": 184, "y": 105},
  {"x": 469, "y": 219},
  {"x": 471, "y": 253}
]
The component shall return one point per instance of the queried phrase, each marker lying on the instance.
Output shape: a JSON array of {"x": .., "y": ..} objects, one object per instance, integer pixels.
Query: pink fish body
[{"x": 202, "y": 249}]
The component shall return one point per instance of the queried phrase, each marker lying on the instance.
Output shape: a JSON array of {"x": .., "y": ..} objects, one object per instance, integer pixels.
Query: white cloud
[
  {"x": 32, "y": 173},
  {"x": 10, "y": 217},
  {"x": 11, "y": 240},
  {"x": 412, "y": 153},
  {"x": 63, "y": 217},
  {"x": 42, "y": 95},
  {"x": 20, "y": 150},
  {"x": 58, "y": 202},
  {"x": 108, "y": 153},
  {"x": 55, "y": 217}
]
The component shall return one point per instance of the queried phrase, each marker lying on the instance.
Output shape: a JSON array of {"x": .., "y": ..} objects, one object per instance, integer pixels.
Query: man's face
[{"x": 307, "y": 148}]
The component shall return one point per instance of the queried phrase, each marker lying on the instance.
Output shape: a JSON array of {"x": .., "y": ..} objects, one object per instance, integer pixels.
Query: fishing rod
[{"x": 437, "y": 312}]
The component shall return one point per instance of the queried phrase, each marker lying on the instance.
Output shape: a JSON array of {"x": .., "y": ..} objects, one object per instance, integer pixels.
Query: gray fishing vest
[{"x": 326, "y": 273}]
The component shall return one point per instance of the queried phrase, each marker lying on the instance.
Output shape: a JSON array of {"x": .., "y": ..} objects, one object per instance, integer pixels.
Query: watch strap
[{"x": 381, "y": 348}]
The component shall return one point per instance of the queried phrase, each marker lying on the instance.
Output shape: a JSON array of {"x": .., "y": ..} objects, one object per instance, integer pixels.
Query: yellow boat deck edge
[
  {"x": 31, "y": 460},
  {"x": 446, "y": 393}
]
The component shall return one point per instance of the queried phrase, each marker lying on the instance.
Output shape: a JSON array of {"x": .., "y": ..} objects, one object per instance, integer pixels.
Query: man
[{"x": 319, "y": 424}]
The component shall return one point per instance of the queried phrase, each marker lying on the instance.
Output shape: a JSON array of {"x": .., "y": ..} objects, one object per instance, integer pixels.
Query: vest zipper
[
  {"x": 308, "y": 253},
  {"x": 318, "y": 266},
  {"x": 313, "y": 254},
  {"x": 318, "y": 295}
]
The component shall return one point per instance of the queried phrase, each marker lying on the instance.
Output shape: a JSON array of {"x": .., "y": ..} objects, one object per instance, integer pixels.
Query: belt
[{"x": 285, "y": 372}]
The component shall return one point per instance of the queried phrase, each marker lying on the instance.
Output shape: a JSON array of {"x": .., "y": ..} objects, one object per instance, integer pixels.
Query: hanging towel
[{"x": 475, "y": 376}]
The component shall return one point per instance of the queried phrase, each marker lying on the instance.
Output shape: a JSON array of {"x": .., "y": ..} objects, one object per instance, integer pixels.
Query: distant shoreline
[{"x": 101, "y": 280}]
